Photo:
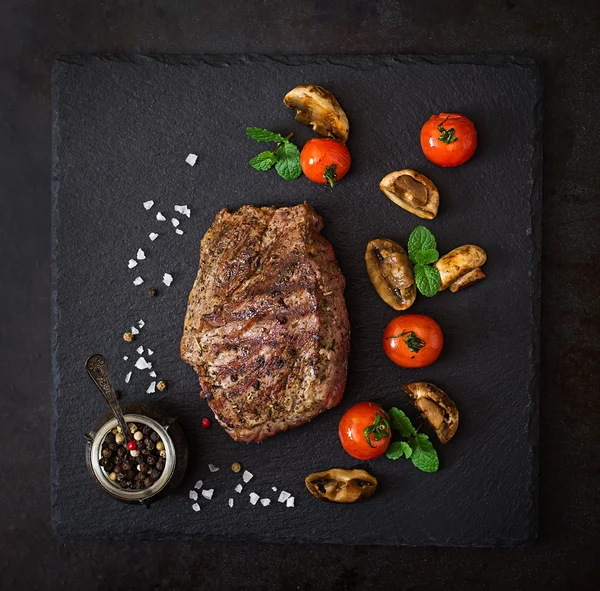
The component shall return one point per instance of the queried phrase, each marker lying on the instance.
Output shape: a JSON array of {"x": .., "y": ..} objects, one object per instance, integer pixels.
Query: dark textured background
[
  {"x": 563, "y": 36},
  {"x": 121, "y": 131}
]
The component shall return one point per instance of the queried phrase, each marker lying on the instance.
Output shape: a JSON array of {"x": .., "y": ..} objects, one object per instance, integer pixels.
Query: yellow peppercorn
[
  {"x": 236, "y": 467},
  {"x": 161, "y": 386},
  {"x": 128, "y": 336},
  {"x": 160, "y": 445}
]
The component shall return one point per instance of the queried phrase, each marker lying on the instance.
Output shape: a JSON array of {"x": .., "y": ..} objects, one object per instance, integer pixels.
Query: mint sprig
[
  {"x": 422, "y": 251},
  {"x": 417, "y": 447},
  {"x": 285, "y": 157}
]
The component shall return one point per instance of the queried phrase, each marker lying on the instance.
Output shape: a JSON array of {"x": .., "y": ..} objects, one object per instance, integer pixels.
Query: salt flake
[
  {"x": 247, "y": 476},
  {"x": 141, "y": 363},
  {"x": 290, "y": 502},
  {"x": 127, "y": 378},
  {"x": 152, "y": 374},
  {"x": 153, "y": 236},
  {"x": 125, "y": 358},
  {"x": 134, "y": 330},
  {"x": 140, "y": 350},
  {"x": 213, "y": 468},
  {"x": 150, "y": 352},
  {"x": 274, "y": 488},
  {"x": 196, "y": 507},
  {"x": 238, "y": 488},
  {"x": 265, "y": 502},
  {"x": 198, "y": 484},
  {"x": 254, "y": 498},
  {"x": 131, "y": 264},
  {"x": 284, "y": 496},
  {"x": 230, "y": 502},
  {"x": 138, "y": 281},
  {"x": 151, "y": 388},
  {"x": 193, "y": 495},
  {"x": 167, "y": 279},
  {"x": 178, "y": 231},
  {"x": 148, "y": 204},
  {"x": 160, "y": 217},
  {"x": 141, "y": 323},
  {"x": 175, "y": 222},
  {"x": 208, "y": 494},
  {"x": 191, "y": 159},
  {"x": 140, "y": 255}
]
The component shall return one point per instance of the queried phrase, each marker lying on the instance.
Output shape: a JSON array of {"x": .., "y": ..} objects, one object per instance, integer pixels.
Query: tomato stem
[
  {"x": 447, "y": 135},
  {"x": 413, "y": 342},
  {"x": 287, "y": 137},
  {"x": 380, "y": 429},
  {"x": 330, "y": 174}
]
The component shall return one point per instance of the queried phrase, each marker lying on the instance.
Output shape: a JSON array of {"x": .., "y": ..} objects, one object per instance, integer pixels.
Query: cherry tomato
[
  {"x": 448, "y": 139},
  {"x": 325, "y": 160},
  {"x": 413, "y": 340},
  {"x": 365, "y": 431}
]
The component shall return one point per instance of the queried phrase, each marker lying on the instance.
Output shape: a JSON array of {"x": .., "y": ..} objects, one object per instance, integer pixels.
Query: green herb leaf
[
  {"x": 263, "y": 161},
  {"x": 400, "y": 422},
  {"x": 264, "y": 135},
  {"x": 288, "y": 161},
  {"x": 397, "y": 449},
  {"x": 331, "y": 174},
  {"x": 427, "y": 256},
  {"x": 407, "y": 449},
  {"x": 424, "y": 456},
  {"x": 420, "y": 239},
  {"x": 427, "y": 279}
]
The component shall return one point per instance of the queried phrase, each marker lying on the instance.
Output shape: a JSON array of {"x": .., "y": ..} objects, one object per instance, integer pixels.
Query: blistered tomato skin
[
  {"x": 364, "y": 431},
  {"x": 449, "y": 139}
]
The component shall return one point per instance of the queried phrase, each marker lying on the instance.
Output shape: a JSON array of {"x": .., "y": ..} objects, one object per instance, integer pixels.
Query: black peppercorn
[
  {"x": 121, "y": 452},
  {"x": 148, "y": 481},
  {"x": 131, "y": 474},
  {"x": 141, "y": 445},
  {"x": 149, "y": 444},
  {"x": 154, "y": 436},
  {"x": 145, "y": 452},
  {"x": 151, "y": 460},
  {"x": 113, "y": 446},
  {"x": 117, "y": 469},
  {"x": 110, "y": 438},
  {"x": 155, "y": 474},
  {"x": 125, "y": 483},
  {"x": 134, "y": 485},
  {"x": 140, "y": 476},
  {"x": 143, "y": 467},
  {"x": 153, "y": 292},
  {"x": 126, "y": 465},
  {"x": 104, "y": 461},
  {"x": 117, "y": 460},
  {"x": 120, "y": 476},
  {"x": 106, "y": 453},
  {"x": 146, "y": 430},
  {"x": 160, "y": 465}
]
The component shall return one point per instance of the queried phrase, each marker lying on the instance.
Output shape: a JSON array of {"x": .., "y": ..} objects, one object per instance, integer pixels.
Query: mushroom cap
[
  {"x": 436, "y": 407},
  {"x": 458, "y": 263},
  {"x": 341, "y": 486},
  {"x": 412, "y": 191},
  {"x": 317, "y": 107},
  {"x": 391, "y": 273}
]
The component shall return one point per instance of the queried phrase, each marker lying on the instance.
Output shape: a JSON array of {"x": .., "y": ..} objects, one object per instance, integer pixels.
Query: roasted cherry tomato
[
  {"x": 325, "y": 160},
  {"x": 448, "y": 139},
  {"x": 365, "y": 431},
  {"x": 413, "y": 340}
]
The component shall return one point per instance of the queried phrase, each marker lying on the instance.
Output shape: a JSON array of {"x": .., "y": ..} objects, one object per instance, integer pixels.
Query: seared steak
[{"x": 266, "y": 327}]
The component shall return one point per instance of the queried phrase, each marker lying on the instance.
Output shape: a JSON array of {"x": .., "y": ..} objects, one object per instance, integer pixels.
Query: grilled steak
[{"x": 266, "y": 327}]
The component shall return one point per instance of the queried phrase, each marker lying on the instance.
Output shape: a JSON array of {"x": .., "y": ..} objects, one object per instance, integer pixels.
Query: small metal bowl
[{"x": 171, "y": 435}]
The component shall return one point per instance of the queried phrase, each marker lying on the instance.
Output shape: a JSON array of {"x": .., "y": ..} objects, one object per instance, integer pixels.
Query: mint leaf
[
  {"x": 427, "y": 256},
  {"x": 407, "y": 449},
  {"x": 420, "y": 239},
  {"x": 263, "y": 161},
  {"x": 288, "y": 161},
  {"x": 427, "y": 279},
  {"x": 395, "y": 450},
  {"x": 264, "y": 135},
  {"x": 424, "y": 456},
  {"x": 400, "y": 422}
]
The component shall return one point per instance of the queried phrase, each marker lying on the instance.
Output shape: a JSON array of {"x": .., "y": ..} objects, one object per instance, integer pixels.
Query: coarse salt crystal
[
  {"x": 196, "y": 507},
  {"x": 140, "y": 255},
  {"x": 290, "y": 502},
  {"x": 175, "y": 222},
  {"x": 140, "y": 350},
  {"x": 153, "y": 236},
  {"x": 125, "y": 358},
  {"x": 160, "y": 217},
  {"x": 230, "y": 502},
  {"x": 265, "y": 502},
  {"x": 284, "y": 496},
  {"x": 207, "y": 494},
  {"x": 274, "y": 488},
  {"x": 134, "y": 330},
  {"x": 180, "y": 208},
  {"x": 150, "y": 352},
  {"x": 141, "y": 363},
  {"x": 247, "y": 476},
  {"x": 254, "y": 498},
  {"x": 213, "y": 468},
  {"x": 198, "y": 484},
  {"x": 191, "y": 159},
  {"x": 151, "y": 388},
  {"x": 127, "y": 378},
  {"x": 193, "y": 495},
  {"x": 131, "y": 264},
  {"x": 148, "y": 204},
  {"x": 178, "y": 231},
  {"x": 141, "y": 323},
  {"x": 167, "y": 279},
  {"x": 148, "y": 365},
  {"x": 238, "y": 488},
  {"x": 138, "y": 281},
  {"x": 152, "y": 374}
]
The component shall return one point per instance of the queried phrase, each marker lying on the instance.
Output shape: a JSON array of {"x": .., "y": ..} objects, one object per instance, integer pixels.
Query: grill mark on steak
[{"x": 257, "y": 312}]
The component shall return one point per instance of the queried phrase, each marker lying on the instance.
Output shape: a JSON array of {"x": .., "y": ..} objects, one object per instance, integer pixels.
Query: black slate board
[{"x": 122, "y": 129}]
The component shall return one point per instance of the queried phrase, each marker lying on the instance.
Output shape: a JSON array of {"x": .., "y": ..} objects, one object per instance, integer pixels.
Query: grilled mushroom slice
[
  {"x": 412, "y": 191},
  {"x": 436, "y": 406},
  {"x": 341, "y": 486},
  {"x": 460, "y": 267},
  {"x": 391, "y": 273},
  {"x": 317, "y": 107}
]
